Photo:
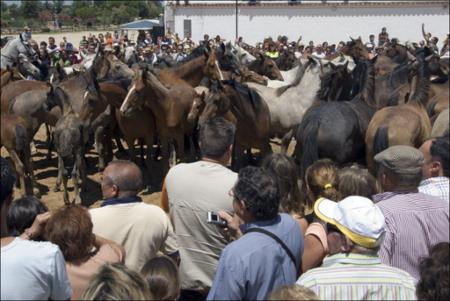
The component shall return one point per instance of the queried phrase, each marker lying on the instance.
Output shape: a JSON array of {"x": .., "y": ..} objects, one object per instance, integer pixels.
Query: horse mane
[
  {"x": 367, "y": 83},
  {"x": 249, "y": 93},
  {"x": 325, "y": 85},
  {"x": 298, "y": 77}
]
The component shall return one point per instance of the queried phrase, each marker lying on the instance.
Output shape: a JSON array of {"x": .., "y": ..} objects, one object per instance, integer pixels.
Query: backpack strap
[{"x": 282, "y": 244}]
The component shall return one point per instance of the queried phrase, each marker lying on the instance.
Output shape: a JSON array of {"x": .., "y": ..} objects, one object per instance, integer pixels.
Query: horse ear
[
  {"x": 261, "y": 57},
  {"x": 352, "y": 39}
]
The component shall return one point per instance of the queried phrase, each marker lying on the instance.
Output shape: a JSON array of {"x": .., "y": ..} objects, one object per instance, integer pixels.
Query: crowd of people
[
  {"x": 348, "y": 236},
  {"x": 149, "y": 49}
]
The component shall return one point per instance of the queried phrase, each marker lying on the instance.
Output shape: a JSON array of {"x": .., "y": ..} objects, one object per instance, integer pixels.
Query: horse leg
[
  {"x": 76, "y": 184},
  {"x": 20, "y": 170},
  {"x": 286, "y": 140},
  {"x": 165, "y": 153},
  {"x": 149, "y": 162},
  {"x": 131, "y": 149},
  {"x": 28, "y": 162},
  {"x": 180, "y": 155},
  {"x": 49, "y": 141},
  {"x": 99, "y": 147},
  {"x": 60, "y": 175}
]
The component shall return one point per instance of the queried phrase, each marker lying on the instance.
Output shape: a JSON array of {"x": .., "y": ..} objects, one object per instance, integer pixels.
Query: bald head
[{"x": 125, "y": 175}]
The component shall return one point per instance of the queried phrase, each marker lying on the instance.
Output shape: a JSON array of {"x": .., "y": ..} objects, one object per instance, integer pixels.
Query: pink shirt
[{"x": 79, "y": 275}]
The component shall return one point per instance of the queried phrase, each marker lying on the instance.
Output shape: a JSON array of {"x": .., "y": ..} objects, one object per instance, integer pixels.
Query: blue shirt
[{"x": 255, "y": 264}]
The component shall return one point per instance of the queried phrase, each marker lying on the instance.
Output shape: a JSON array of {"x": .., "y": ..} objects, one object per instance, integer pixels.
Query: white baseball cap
[{"x": 356, "y": 217}]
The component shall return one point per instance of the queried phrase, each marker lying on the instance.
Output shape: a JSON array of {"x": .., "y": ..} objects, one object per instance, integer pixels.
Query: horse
[
  {"x": 140, "y": 124},
  {"x": 130, "y": 57},
  {"x": 266, "y": 66},
  {"x": 286, "y": 60},
  {"x": 244, "y": 57},
  {"x": 336, "y": 130},
  {"x": 16, "y": 140},
  {"x": 287, "y": 105},
  {"x": 70, "y": 147},
  {"x": 12, "y": 50},
  {"x": 170, "y": 107},
  {"x": 242, "y": 106},
  {"x": 439, "y": 90},
  {"x": 441, "y": 124},
  {"x": 405, "y": 124}
]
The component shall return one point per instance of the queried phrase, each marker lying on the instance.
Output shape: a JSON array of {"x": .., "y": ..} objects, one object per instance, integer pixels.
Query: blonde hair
[
  {"x": 322, "y": 179},
  {"x": 292, "y": 292},
  {"x": 117, "y": 282},
  {"x": 161, "y": 274}
]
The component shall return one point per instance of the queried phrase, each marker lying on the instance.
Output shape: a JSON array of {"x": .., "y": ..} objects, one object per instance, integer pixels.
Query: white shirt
[
  {"x": 142, "y": 229},
  {"x": 194, "y": 189},
  {"x": 33, "y": 270}
]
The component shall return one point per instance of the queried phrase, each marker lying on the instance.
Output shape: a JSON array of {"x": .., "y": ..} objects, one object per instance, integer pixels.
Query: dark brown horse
[
  {"x": 242, "y": 106},
  {"x": 15, "y": 138},
  {"x": 336, "y": 130},
  {"x": 405, "y": 124},
  {"x": 266, "y": 66}
]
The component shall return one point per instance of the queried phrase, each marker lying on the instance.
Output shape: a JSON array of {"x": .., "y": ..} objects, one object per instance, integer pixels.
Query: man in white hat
[{"x": 353, "y": 270}]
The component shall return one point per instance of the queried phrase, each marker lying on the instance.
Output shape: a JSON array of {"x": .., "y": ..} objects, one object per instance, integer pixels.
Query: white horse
[
  {"x": 288, "y": 104},
  {"x": 17, "y": 52},
  {"x": 243, "y": 55}
]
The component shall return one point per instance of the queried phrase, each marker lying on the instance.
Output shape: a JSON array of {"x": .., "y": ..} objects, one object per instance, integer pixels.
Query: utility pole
[{"x": 237, "y": 21}]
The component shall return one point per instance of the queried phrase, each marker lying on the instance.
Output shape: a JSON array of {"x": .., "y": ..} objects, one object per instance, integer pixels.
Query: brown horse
[
  {"x": 240, "y": 105},
  {"x": 169, "y": 106},
  {"x": 140, "y": 124},
  {"x": 405, "y": 124},
  {"x": 266, "y": 66},
  {"x": 15, "y": 138},
  {"x": 244, "y": 75}
]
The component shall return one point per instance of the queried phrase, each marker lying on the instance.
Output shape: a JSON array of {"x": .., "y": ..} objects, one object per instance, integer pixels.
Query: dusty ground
[{"x": 46, "y": 172}]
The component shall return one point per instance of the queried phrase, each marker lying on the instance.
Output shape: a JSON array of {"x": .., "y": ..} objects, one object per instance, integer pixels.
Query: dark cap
[{"x": 401, "y": 159}]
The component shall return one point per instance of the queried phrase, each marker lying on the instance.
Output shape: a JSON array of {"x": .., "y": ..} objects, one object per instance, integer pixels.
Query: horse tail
[
  {"x": 381, "y": 140},
  {"x": 21, "y": 138},
  {"x": 310, "y": 149}
]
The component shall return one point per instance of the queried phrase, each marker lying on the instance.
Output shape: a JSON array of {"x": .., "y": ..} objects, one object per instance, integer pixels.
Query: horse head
[
  {"x": 198, "y": 105},
  {"x": 107, "y": 65},
  {"x": 27, "y": 67},
  {"x": 266, "y": 66},
  {"x": 215, "y": 103},
  {"x": 212, "y": 68},
  {"x": 356, "y": 49},
  {"x": 134, "y": 99}
]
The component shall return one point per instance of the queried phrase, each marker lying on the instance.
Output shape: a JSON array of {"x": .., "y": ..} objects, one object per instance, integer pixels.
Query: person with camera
[
  {"x": 190, "y": 192},
  {"x": 269, "y": 249}
]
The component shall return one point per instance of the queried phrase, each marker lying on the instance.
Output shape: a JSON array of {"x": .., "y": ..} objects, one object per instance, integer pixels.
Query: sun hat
[
  {"x": 401, "y": 159},
  {"x": 356, "y": 217}
]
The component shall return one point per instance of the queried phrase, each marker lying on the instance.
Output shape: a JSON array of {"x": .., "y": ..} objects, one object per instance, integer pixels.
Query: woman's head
[
  {"x": 117, "y": 282},
  {"x": 283, "y": 168},
  {"x": 355, "y": 180},
  {"x": 161, "y": 274},
  {"x": 22, "y": 213},
  {"x": 71, "y": 229},
  {"x": 321, "y": 179}
]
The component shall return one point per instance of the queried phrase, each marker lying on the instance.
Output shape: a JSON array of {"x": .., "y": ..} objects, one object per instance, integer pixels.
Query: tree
[
  {"x": 30, "y": 9},
  {"x": 58, "y": 4}
]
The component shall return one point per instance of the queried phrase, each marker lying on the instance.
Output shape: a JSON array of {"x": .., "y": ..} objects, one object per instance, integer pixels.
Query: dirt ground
[{"x": 46, "y": 173}]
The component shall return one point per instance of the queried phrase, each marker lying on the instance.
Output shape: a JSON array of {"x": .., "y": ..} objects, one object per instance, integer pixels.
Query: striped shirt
[
  {"x": 415, "y": 222},
  {"x": 437, "y": 186},
  {"x": 358, "y": 277}
]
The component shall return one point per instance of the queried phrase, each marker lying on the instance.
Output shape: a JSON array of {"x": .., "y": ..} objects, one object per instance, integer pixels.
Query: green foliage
[{"x": 36, "y": 13}]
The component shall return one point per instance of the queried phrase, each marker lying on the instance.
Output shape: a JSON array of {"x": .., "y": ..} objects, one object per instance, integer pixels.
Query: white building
[{"x": 319, "y": 21}]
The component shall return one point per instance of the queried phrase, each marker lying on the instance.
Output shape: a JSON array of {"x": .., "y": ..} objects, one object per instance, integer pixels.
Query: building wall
[{"x": 313, "y": 22}]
